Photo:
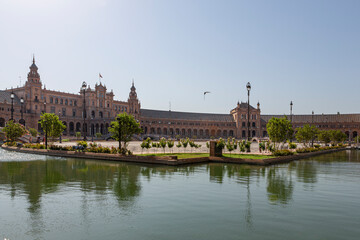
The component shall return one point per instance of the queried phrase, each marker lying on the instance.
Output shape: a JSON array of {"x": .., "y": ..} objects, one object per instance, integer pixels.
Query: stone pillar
[{"x": 214, "y": 151}]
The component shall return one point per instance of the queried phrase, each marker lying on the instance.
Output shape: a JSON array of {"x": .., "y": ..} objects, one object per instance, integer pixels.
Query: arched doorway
[
  {"x": 102, "y": 128},
  {"x": 78, "y": 127},
  {"x": 355, "y": 134},
  {"x": 2, "y": 122},
  {"x": 65, "y": 130},
  {"x": 71, "y": 128}
]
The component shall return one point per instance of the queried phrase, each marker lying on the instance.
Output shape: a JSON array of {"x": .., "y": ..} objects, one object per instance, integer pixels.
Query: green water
[{"x": 57, "y": 198}]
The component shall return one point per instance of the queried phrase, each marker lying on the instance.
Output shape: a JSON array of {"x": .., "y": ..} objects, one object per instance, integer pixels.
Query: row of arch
[
  {"x": 188, "y": 132},
  {"x": 73, "y": 127},
  {"x": 3, "y": 122}
]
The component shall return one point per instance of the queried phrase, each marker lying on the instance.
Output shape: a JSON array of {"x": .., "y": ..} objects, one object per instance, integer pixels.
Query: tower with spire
[
  {"x": 134, "y": 103},
  {"x": 33, "y": 86}
]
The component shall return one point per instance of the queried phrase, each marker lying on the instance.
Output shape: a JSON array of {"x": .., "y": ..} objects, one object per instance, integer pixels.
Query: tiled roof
[
  {"x": 6, "y": 96},
  {"x": 318, "y": 118},
  {"x": 245, "y": 105},
  {"x": 148, "y": 113}
]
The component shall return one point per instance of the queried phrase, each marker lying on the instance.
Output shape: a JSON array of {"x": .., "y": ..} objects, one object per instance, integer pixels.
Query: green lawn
[
  {"x": 196, "y": 155},
  {"x": 247, "y": 156},
  {"x": 179, "y": 155}
]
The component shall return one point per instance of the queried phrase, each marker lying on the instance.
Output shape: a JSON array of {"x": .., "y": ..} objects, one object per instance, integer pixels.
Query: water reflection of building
[{"x": 101, "y": 108}]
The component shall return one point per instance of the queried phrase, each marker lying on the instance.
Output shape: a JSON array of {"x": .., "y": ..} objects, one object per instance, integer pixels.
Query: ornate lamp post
[
  {"x": 291, "y": 105},
  {"x": 248, "y": 87},
  {"x": 46, "y": 137},
  {"x": 60, "y": 133},
  {"x": 120, "y": 125},
  {"x": 92, "y": 129},
  {"x": 312, "y": 123},
  {"x": 21, "y": 111},
  {"x": 83, "y": 88},
  {"x": 12, "y": 96}
]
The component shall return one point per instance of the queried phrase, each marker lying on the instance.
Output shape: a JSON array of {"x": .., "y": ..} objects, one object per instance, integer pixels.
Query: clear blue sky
[{"x": 305, "y": 51}]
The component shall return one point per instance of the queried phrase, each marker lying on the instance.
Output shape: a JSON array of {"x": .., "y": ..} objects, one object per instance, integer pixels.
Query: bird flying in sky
[{"x": 206, "y": 93}]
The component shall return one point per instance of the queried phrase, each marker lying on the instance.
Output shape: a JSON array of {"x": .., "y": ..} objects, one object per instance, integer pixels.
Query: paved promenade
[{"x": 134, "y": 146}]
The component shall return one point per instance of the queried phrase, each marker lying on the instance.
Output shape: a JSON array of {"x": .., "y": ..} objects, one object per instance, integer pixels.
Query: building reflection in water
[{"x": 35, "y": 178}]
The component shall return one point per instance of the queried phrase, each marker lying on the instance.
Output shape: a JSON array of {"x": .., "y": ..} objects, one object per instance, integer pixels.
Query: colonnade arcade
[
  {"x": 78, "y": 126},
  {"x": 188, "y": 132}
]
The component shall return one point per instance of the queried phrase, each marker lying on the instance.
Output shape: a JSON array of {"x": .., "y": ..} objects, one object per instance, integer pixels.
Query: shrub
[
  {"x": 66, "y": 140},
  {"x": 292, "y": 145},
  {"x": 317, "y": 145},
  {"x": 98, "y": 135},
  {"x": 220, "y": 144},
  {"x": 11, "y": 144},
  {"x": 33, "y": 132},
  {"x": 84, "y": 144},
  {"x": 283, "y": 153},
  {"x": 78, "y": 135},
  {"x": 262, "y": 146}
]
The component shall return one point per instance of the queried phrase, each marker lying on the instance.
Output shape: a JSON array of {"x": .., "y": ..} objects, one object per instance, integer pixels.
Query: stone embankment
[{"x": 167, "y": 160}]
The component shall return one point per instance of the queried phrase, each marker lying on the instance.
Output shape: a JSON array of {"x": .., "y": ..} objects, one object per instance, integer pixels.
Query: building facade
[{"x": 92, "y": 110}]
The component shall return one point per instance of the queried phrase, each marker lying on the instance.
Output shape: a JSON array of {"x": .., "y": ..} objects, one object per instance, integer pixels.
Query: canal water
[{"x": 56, "y": 198}]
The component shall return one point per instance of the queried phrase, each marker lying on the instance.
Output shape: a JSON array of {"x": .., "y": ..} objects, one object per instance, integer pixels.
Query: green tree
[
  {"x": 185, "y": 143},
  {"x": 51, "y": 124},
  {"x": 123, "y": 128},
  {"x": 306, "y": 134},
  {"x": 170, "y": 144},
  {"x": 337, "y": 136},
  {"x": 231, "y": 144},
  {"x": 163, "y": 143},
  {"x": 279, "y": 129},
  {"x": 324, "y": 136},
  {"x": 14, "y": 130}
]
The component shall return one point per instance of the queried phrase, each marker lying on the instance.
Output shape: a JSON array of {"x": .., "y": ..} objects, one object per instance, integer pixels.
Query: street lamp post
[
  {"x": 44, "y": 107},
  {"x": 83, "y": 88},
  {"x": 60, "y": 133},
  {"x": 12, "y": 96},
  {"x": 119, "y": 121},
  {"x": 248, "y": 87},
  {"x": 312, "y": 123},
  {"x": 92, "y": 129},
  {"x": 291, "y": 105},
  {"x": 46, "y": 137},
  {"x": 21, "y": 111}
]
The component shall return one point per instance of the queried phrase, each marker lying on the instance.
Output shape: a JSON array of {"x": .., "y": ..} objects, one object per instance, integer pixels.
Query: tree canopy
[
  {"x": 306, "y": 134},
  {"x": 51, "y": 124},
  {"x": 123, "y": 128},
  {"x": 324, "y": 136},
  {"x": 279, "y": 129},
  {"x": 14, "y": 130}
]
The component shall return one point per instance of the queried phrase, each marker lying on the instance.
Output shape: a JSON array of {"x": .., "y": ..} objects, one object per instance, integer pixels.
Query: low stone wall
[
  {"x": 164, "y": 160},
  {"x": 168, "y": 160},
  {"x": 272, "y": 161}
]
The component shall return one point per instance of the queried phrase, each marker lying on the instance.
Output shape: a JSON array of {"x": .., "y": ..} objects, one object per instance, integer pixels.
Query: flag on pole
[{"x": 100, "y": 76}]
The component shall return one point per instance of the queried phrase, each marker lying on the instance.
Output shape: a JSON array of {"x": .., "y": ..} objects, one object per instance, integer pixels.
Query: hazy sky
[{"x": 305, "y": 51}]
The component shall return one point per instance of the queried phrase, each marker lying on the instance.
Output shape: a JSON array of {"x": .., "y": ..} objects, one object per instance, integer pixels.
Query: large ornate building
[{"x": 92, "y": 110}]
